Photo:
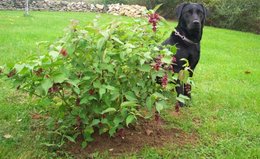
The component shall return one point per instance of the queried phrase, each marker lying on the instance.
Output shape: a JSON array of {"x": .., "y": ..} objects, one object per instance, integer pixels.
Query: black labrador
[{"x": 186, "y": 37}]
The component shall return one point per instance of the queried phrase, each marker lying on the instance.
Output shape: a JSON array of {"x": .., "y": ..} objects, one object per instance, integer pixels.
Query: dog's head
[{"x": 191, "y": 17}]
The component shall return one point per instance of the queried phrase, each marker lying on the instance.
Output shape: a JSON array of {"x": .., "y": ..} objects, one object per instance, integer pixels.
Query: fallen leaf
[
  {"x": 36, "y": 116},
  {"x": 148, "y": 132},
  {"x": 247, "y": 72},
  {"x": 8, "y": 136},
  {"x": 111, "y": 150},
  {"x": 175, "y": 114}
]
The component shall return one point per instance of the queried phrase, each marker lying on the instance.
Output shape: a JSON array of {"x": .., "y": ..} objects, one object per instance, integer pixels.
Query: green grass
[{"x": 225, "y": 104}]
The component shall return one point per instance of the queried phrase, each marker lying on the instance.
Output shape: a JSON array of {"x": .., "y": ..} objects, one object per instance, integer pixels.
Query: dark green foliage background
[{"x": 232, "y": 14}]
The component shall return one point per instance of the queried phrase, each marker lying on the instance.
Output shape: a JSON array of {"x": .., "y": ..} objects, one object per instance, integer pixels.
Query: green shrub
[
  {"x": 234, "y": 14},
  {"x": 99, "y": 78}
]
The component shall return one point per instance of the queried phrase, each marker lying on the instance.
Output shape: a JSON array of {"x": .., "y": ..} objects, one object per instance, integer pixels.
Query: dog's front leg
[
  {"x": 179, "y": 90},
  {"x": 187, "y": 90}
]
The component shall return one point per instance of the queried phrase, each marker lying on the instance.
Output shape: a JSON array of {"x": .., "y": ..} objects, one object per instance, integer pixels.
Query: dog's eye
[
  {"x": 190, "y": 11},
  {"x": 200, "y": 12}
]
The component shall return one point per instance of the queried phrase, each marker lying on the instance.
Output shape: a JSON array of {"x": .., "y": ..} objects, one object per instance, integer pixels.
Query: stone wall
[{"x": 115, "y": 9}]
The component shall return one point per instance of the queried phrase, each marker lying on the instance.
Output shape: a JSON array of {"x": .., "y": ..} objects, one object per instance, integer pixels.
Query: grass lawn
[{"x": 225, "y": 110}]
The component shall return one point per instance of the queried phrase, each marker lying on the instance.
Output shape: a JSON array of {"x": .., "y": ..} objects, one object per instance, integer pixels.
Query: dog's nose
[{"x": 196, "y": 22}]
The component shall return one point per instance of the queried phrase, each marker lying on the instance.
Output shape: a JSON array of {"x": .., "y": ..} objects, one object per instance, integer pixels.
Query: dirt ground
[{"x": 145, "y": 133}]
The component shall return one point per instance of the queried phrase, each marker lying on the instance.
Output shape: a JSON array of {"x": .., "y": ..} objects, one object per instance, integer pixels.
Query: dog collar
[{"x": 183, "y": 37}]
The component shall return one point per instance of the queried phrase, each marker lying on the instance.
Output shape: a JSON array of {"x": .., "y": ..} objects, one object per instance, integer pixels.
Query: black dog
[{"x": 186, "y": 37}]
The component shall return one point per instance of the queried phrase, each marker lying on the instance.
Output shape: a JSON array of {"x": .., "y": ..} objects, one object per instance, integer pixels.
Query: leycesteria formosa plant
[{"x": 99, "y": 77}]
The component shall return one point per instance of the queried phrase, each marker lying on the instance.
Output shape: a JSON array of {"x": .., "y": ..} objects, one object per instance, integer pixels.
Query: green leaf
[
  {"x": 45, "y": 85},
  {"x": 145, "y": 68},
  {"x": 117, "y": 120},
  {"x": 117, "y": 40},
  {"x": 71, "y": 139},
  {"x": 130, "y": 118},
  {"x": 112, "y": 131},
  {"x": 54, "y": 54},
  {"x": 157, "y": 7},
  {"x": 130, "y": 96},
  {"x": 88, "y": 131},
  {"x": 84, "y": 100},
  {"x": 167, "y": 59},
  {"x": 95, "y": 122},
  {"x": 159, "y": 106},
  {"x": 97, "y": 84},
  {"x": 108, "y": 110},
  {"x": 19, "y": 67},
  {"x": 128, "y": 104},
  {"x": 76, "y": 90},
  {"x": 159, "y": 96},
  {"x": 149, "y": 103},
  {"x": 183, "y": 75},
  {"x": 110, "y": 87},
  {"x": 84, "y": 144},
  {"x": 173, "y": 49},
  {"x": 101, "y": 42},
  {"x": 59, "y": 78},
  {"x": 182, "y": 98},
  {"x": 101, "y": 92},
  {"x": 186, "y": 62}
]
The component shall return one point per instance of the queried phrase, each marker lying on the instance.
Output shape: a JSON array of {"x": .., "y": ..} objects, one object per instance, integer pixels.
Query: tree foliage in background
[{"x": 232, "y": 14}]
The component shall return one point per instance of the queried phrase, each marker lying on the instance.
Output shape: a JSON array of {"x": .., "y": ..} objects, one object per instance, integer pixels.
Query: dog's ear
[
  {"x": 179, "y": 9},
  {"x": 205, "y": 11}
]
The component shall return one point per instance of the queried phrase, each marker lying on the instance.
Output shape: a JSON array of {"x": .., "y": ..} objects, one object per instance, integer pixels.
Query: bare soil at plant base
[{"x": 145, "y": 133}]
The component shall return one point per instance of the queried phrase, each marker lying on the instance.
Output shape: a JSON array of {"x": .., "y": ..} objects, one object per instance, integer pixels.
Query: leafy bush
[
  {"x": 99, "y": 77},
  {"x": 234, "y": 14}
]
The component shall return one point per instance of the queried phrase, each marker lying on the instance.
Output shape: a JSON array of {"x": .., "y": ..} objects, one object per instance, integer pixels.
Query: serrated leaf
[
  {"x": 130, "y": 118},
  {"x": 108, "y": 110},
  {"x": 173, "y": 49}
]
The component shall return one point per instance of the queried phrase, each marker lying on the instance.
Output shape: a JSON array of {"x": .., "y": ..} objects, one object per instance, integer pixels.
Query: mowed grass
[{"x": 224, "y": 112}]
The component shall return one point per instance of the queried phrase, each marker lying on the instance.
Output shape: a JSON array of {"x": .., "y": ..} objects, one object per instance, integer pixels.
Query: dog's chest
[{"x": 191, "y": 53}]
